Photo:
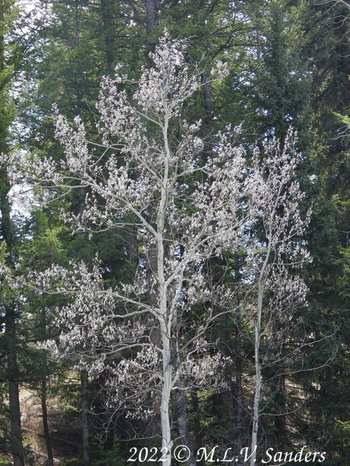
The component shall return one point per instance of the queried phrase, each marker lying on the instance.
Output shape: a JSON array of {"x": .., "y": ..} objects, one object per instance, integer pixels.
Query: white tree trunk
[
  {"x": 257, "y": 390},
  {"x": 165, "y": 315},
  {"x": 165, "y": 402},
  {"x": 257, "y": 394}
]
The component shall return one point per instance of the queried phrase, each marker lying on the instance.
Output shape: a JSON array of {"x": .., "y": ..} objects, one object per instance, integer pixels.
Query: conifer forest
[{"x": 174, "y": 232}]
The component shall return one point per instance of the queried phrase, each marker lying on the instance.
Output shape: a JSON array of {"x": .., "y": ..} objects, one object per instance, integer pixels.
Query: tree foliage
[{"x": 106, "y": 201}]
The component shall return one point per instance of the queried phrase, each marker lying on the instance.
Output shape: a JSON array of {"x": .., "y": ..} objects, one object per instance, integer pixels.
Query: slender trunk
[
  {"x": 16, "y": 441},
  {"x": 256, "y": 406},
  {"x": 47, "y": 436},
  {"x": 84, "y": 380},
  {"x": 257, "y": 391},
  {"x": 165, "y": 401},
  {"x": 46, "y": 429},
  {"x": 84, "y": 416},
  {"x": 165, "y": 328},
  {"x": 239, "y": 397},
  {"x": 237, "y": 388},
  {"x": 165, "y": 317}
]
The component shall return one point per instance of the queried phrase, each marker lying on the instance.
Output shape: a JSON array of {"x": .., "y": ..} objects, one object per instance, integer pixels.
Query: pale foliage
[{"x": 188, "y": 208}]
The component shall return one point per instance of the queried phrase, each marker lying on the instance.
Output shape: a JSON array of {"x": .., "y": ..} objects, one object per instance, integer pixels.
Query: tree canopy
[{"x": 174, "y": 251}]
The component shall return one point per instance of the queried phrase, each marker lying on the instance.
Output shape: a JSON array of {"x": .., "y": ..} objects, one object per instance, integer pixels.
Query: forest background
[{"x": 287, "y": 65}]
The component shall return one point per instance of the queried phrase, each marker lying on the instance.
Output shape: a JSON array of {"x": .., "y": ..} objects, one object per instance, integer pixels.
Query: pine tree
[{"x": 10, "y": 307}]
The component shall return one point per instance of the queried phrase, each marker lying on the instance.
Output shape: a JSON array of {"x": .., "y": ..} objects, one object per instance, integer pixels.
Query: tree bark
[
  {"x": 256, "y": 405},
  {"x": 165, "y": 401},
  {"x": 46, "y": 429},
  {"x": 165, "y": 319},
  {"x": 166, "y": 342},
  {"x": 238, "y": 390},
  {"x": 257, "y": 391},
  {"x": 16, "y": 442}
]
